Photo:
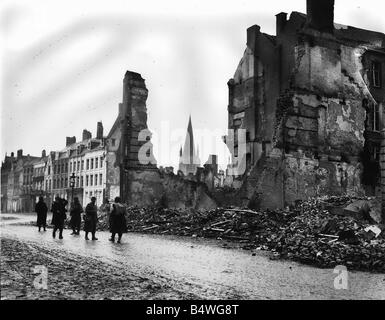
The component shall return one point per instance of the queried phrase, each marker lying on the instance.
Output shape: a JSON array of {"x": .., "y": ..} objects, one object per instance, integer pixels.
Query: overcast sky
[{"x": 63, "y": 63}]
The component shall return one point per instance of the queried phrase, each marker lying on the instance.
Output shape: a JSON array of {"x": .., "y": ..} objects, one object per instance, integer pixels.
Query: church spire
[{"x": 188, "y": 158}]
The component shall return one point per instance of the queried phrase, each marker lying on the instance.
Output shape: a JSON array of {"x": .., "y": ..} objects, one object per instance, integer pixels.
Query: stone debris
[{"x": 309, "y": 232}]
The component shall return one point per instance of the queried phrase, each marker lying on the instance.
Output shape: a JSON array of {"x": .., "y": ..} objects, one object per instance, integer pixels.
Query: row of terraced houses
[{"x": 24, "y": 178}]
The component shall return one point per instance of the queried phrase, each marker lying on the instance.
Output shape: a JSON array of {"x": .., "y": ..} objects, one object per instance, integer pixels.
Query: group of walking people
[{"x": 116, "y": 219}]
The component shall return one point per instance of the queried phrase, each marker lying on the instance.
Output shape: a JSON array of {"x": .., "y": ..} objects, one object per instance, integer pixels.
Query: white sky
[{"x": 63, "y": 64}]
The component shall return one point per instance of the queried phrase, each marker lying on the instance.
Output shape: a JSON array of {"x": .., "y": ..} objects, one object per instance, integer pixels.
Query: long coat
[
  {"x": 59, "y": 214},
  {"x": 91, "y": 217},
  {"x": 117, "y": 219},
  {"x": 41, "y": 210},
  {"x": 76, "y": 210}
]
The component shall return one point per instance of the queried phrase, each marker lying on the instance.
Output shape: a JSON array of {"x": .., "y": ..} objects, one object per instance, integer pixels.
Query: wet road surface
[{"x": 199, "y": 267}]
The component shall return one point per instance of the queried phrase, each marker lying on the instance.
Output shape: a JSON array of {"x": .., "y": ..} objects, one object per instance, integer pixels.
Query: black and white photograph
[{"x": 198, "y": 152}]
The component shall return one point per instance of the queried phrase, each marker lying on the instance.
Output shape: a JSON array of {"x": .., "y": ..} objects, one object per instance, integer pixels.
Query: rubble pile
[{"x": 309, "y": 232}]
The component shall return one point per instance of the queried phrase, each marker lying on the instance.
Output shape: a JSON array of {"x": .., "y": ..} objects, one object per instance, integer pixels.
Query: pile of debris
[{"x": 311, "y": 232}]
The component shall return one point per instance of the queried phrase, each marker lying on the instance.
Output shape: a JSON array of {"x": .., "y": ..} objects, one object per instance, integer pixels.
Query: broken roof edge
[
  {"x": 342, "y": 29},
  {"x": 113, "y": 128}
]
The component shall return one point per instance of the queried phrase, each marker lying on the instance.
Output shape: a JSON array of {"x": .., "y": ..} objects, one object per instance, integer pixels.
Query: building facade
[
  {"x": 311, "y": 102},
  {"x": 94, "y": 173},
  {"x": 17, "y": 182},
  {"x": 26, "y": 178}
]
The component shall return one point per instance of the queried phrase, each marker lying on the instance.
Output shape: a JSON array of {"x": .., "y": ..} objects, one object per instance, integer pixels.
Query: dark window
[
  {"x": 376, "y": 153},
  {"x": 88, "y": 164},
  {"x": 81, "y": 181},
  {"x": 375, "y": 117},
  {"x": 96, "y": 163},
  {"x": 237, "y": 122},
  {"x": 101, "y": 162},
  {"x": 113, "y": 142},
  {"x": 86, "y": 180},
  {"x": 376, "y": 74},
  {"x": 82, "y": 164},
  {"x": 92, "y": 163}
]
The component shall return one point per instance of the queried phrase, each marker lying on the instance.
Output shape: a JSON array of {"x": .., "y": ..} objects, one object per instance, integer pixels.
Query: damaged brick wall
[
  {"x": 319, "y": 120},
  {"x": 149, "y": 188},
  {"x": 137, "y": 182}
]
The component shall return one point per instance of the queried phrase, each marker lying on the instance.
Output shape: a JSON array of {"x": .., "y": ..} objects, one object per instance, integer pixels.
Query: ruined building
[
  {"x": 18, "y": 182},
  {"x": 311, "y": 99},
  {"x": 119, "y": 164},
  {"x": 131, "y": 167},
  {"x": 189, "y": 160}
]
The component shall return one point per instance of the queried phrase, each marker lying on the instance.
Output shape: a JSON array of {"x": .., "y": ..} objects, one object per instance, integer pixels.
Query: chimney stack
[
  {"x": 320, "y": 15},
  {"x": 281, "y": 19},
  {"x": 99, "y": 130},
  {"x": 70, "y": 140},
  {"x": 86, "y": 135},
  {"x": 19, "y": 153},
  {"x": 43, "y": 154},
  {"x": 252, "y": 34}
]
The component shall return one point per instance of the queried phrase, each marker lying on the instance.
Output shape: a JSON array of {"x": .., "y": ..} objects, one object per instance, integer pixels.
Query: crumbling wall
[
  {"x": 319, "y": 131},
  {"x": 129, "y": 149},
  {"x": 149, "y": 188},
  {"x": 309, "y": 177},
  {"x": 112, "y": 162},
  {"x": 253, "y": 91},
  {"x": 181, "y": 193},
  {"x": 145, "y": 188}
]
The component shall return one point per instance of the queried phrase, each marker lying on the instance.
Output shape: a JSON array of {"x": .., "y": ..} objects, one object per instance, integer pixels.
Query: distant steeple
[{"x": 189, "y": 160}]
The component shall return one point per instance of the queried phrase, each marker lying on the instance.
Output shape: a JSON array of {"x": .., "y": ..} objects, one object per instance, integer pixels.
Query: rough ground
[
  {"x": 147, "y": 266},
  {"x": 317, "y": 232},
  {"x": 72, "y": 276}
]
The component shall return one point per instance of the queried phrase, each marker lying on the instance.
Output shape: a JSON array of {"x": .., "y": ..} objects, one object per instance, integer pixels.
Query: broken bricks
[{"x": 308, "y": 233}]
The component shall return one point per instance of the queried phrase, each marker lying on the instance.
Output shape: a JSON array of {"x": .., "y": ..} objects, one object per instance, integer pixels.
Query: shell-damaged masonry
[
  {"x": 306, "y": 107},
  {"x": 304, "y": 182}
]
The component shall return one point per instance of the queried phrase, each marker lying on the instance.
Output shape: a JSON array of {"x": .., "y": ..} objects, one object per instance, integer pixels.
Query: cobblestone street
[{"x": 159, "y": 267}]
